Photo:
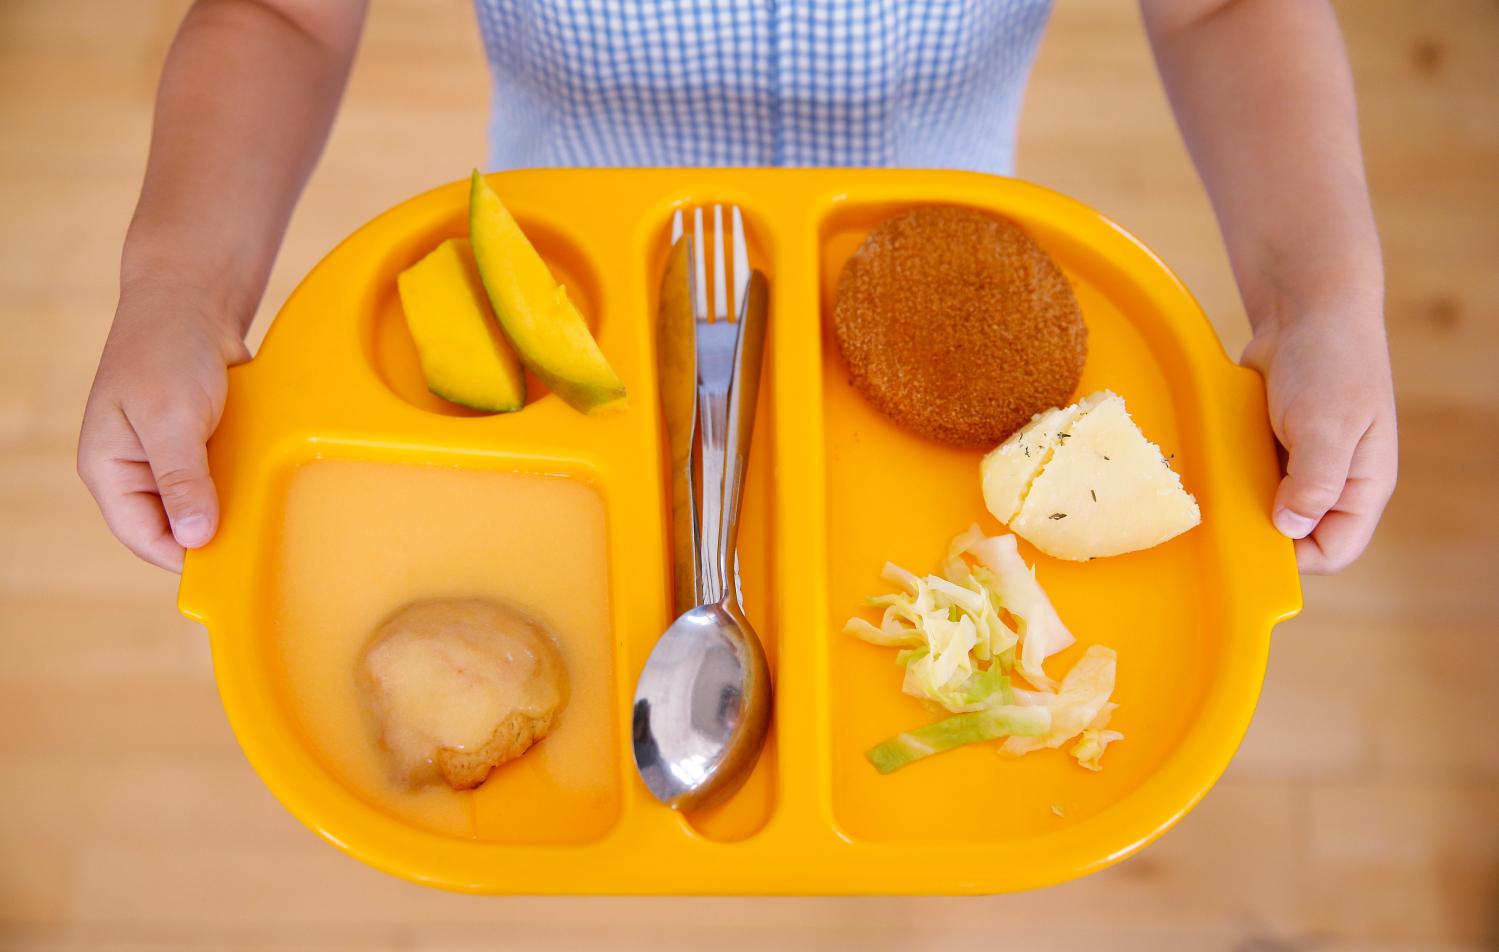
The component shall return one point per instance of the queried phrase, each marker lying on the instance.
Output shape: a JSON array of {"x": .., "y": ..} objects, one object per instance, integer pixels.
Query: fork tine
[
  {"x": 720, "y": 285},
  {"x": 741, "y": 261},
  {"x": 676, "y": 225},
  {"x": 700, "y": 304}
]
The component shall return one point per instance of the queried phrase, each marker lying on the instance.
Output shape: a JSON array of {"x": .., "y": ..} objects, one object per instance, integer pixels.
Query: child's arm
[
  {"x": 247, "y": 95},
  {"x": 1263, "y": 96}
]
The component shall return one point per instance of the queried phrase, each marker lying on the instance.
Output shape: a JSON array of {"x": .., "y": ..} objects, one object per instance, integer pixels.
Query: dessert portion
[
  {"x": 472, "y": 355},
  {"x": 464, "y": 356},
  {"x": 535, "y": 311},
  {"x": 956, "y": 325},
  {"x": 1083, "y": 482},
  {"x": 458, "y": 687}
]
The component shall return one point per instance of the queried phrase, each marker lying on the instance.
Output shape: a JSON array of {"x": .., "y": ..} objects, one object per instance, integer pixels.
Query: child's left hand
[{"x": 1332, "y": 406}]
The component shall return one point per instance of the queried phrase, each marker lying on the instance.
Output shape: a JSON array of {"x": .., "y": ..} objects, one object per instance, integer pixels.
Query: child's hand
[
  {"x": 1332, "y": 406},
  {"x": 156, "y": 399},
  {"x": 247, "y": 94}
]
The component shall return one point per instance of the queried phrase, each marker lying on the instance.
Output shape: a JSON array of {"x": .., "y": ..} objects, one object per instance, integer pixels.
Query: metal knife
[{"x": 676, "y": 353}]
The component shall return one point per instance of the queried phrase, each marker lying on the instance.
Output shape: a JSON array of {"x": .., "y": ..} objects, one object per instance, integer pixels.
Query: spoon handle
[{"x": 744, "y": 394}]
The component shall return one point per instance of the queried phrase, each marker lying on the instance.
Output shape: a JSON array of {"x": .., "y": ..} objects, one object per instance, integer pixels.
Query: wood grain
[{"x": 1362, "y": 812}]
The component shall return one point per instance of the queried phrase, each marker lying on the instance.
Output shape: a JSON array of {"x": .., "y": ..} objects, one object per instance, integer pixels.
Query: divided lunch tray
[{"x": 834, "y": 491}]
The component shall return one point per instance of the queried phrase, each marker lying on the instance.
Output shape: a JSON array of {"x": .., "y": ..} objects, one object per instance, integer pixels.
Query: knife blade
[
  {"x": 744, "y": 396},
  {"x": 676, "y": 356}
]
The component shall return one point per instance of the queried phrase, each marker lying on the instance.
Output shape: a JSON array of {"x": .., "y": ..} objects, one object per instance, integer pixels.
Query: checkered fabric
[{"x": 911, "y": 83}]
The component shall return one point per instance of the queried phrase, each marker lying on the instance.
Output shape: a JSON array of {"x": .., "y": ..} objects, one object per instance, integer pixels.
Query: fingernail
[
  {"x": 191, "y": 530},
  {"x": 1294, "y": 524}
]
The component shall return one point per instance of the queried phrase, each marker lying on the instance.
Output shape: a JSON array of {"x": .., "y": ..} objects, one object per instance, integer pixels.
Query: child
[{"x": 1260, "y": 88}]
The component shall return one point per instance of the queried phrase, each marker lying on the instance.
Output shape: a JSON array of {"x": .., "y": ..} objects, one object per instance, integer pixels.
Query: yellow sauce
[{"x": 363, "y": 539}]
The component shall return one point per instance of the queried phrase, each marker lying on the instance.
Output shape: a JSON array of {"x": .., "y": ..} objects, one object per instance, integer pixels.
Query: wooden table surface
[{"x": 1362, "y": 811}]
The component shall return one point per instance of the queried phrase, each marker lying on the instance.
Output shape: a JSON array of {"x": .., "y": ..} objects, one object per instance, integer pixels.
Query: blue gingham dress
[{"x": 910, "y": 83}]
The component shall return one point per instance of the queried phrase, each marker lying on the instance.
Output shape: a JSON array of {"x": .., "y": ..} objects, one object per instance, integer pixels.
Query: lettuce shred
[
  {"x": 964, "y": 635},
  {"x": 955, "y": 731}
]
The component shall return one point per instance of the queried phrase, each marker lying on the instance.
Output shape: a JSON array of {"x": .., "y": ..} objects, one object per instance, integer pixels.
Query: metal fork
[{"x": 717, "y": 335}]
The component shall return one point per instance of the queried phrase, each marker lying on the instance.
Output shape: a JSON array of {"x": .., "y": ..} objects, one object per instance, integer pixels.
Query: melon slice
[
  {"x": 549, "y": 334},
  {"x": 464, "y": 356}
]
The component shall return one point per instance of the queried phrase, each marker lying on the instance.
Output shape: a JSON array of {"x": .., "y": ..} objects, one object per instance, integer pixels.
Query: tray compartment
[
  {"x": 892, "y": 495},
  {"x": 751, "y": 807},
  {"x": 358, "y": 539},
  {"x": 392, "y": 351}
]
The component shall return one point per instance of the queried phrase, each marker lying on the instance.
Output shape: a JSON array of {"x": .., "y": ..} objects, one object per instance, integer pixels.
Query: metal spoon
[{"x": 702, "y": 703}]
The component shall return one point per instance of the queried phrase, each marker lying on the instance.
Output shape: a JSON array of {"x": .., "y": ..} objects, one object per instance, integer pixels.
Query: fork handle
[
  {"x": 743, "y": 396},
  {"x": 713, "y": 425}
]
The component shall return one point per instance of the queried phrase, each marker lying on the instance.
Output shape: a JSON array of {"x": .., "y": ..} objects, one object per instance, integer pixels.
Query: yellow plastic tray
[{"x": 834, "y": 492}]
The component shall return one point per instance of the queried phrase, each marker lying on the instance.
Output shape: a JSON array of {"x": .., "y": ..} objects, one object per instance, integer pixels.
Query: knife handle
[{"x": 677, "y": 354}]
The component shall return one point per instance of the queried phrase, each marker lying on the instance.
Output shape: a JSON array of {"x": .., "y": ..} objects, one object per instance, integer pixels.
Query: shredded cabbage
[
  {"x": 1090, "y": 747},
  {"x": 862, "y": 629},
  {"x": 1077, "y": 704},
  {"x": 907, "y": 748},
  {"x": 1042, "y": 633},
  {"x": 963, "y": 633}
]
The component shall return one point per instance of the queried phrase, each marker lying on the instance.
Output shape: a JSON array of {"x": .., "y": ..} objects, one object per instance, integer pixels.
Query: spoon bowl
[{"x": 702, "y": 707}]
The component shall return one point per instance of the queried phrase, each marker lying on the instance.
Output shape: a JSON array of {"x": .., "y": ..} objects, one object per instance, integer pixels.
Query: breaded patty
[
  {"x": 459, "y": 686},
  {"x": 957, "y": 326}
]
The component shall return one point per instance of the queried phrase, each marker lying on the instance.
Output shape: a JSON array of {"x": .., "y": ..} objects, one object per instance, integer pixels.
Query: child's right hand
[{"x": 157, "y": 397}]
